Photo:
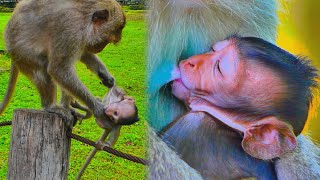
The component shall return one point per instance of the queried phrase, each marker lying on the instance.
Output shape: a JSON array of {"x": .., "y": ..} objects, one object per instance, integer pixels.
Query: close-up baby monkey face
[
  {"x": 253, "y": 87},
  {"x": 249, "y": 77},
  {"x": 123, "y": 112},
  {"x": 223, "y": 73}
]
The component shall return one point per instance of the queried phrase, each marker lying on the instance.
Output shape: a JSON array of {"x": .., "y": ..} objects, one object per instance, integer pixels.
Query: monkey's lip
[{"x": 178, "y": 82}]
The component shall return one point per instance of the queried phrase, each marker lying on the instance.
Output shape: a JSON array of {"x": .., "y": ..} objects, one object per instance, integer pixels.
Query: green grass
[
  {"x": 126, "y": 62},
  {"x": 4, "y": 17}
]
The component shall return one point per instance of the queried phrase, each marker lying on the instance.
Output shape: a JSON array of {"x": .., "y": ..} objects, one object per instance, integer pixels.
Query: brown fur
[{"x": 45, "y": 38}]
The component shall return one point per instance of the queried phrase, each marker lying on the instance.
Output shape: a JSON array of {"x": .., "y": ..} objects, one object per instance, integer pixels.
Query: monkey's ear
[
  {"x": 268, "y": 139},
  {"x": 102, "y": 15}
]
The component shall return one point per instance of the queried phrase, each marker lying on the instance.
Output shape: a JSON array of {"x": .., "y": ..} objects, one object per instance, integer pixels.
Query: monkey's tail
[{"x": 11, "y": 86}]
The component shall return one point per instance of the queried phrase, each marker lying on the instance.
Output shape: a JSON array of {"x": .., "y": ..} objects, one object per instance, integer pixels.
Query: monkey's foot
[{"x": 67, "y": 114}]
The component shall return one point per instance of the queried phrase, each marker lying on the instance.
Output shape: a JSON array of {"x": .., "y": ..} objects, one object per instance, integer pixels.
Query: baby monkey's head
[{"x": 123, "y": 112}]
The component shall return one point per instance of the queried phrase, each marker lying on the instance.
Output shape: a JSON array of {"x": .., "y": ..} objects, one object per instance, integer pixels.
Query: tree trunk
[{"x": 39, "y": 147}]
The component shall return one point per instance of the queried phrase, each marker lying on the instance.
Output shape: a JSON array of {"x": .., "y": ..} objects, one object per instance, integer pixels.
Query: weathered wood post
[{"x": 39, "y": 147}]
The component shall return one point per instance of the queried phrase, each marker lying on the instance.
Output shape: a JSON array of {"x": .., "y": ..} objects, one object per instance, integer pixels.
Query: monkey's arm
[
  {"x": 303, "y": 163},
  {"x": 94, "y": 64},
  {"x": 62, "y": 70},
  {"x": 76, "y": 105},
  {"x": 114, "y": 95},
  {"x": 199, "y": 104},
  {"x": 114, "y": 135}
]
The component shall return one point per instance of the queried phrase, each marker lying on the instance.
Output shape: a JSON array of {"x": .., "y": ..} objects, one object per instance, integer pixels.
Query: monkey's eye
[
  {"x": 116, "y": 113},
  {"x": 212, "y": 49},
  {"x": 218, "y": 66}
]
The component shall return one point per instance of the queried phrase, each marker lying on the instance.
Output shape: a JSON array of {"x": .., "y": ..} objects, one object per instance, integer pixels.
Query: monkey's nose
[
  {"x": 188, "y": 64},
  {"x": 108, "y": 112}
]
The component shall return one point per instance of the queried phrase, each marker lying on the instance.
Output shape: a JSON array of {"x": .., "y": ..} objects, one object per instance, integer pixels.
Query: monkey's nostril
[{"x": 191, "y": 64}]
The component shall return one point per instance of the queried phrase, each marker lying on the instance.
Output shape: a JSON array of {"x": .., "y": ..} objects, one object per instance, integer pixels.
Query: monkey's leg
[
  {"x": 48, "y": 94},
  {"x": 66, "y": 99},
  {"x": 114, "y": 135},
  {"x": 46, "y": 87},
  {"x": 93, "y": 152},
  {"x": 94, "y": 64}
]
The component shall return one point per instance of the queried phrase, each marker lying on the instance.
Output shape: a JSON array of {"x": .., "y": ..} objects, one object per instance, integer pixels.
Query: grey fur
[
  {"x": 165, "y": 164},
  {"x": 303, "y": 163}
]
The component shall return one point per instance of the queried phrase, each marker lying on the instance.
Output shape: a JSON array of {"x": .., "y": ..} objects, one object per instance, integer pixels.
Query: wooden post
[{"x": 39, "y": 147}]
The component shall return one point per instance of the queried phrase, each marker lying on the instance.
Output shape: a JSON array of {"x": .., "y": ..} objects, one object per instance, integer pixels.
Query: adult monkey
[
  {"x": 180, "y": 29},
  {"x": 45, "y": 38}
]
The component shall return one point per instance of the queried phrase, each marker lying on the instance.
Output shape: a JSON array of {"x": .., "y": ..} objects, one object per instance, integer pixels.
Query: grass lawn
[{"x": 126, "y": 62}]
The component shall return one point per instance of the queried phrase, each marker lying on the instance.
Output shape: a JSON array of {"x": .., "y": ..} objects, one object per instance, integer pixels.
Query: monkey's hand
[
  {"x": 106, "y": 78},
  {"x": 101, "y": 145},
  {"x": 101, "y": 118}
]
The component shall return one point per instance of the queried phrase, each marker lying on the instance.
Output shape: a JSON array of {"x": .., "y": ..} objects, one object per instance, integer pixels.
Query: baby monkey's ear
[
  {"x": 268, "y": 138},
  {"x": 129, "y": 98}
]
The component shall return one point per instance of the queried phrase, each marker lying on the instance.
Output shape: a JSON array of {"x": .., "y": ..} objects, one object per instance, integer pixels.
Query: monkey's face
[
  {"x": 122, "y": 111},
  {"x": 221, "y": 75},
  {"x": 107, "y": 26},
  {"x": 220, "y": 81},
  {"x": 213, "y": 73}
]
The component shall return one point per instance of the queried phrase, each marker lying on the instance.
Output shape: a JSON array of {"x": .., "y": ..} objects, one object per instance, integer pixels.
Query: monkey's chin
[
  {"x": 179, "y": 90},
  {"x": 98, "y": 47},
  {"x": 104, "y": 124}
]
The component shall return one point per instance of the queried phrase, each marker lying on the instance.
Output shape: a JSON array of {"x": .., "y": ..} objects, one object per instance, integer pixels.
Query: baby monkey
[
  {"x": 248, "y": 101},
  {"x": 121, "y": 110},
  {"x": 119, "y": 107}
]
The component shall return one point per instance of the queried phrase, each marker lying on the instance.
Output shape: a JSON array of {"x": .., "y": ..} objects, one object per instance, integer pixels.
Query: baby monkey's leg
[{"x": 93, "y": 152}]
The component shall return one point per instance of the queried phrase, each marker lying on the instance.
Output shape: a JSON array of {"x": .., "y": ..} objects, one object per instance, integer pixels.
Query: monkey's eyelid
[
  {"x": 212, "y": 49},
  {"x": 218, "y": 66}
]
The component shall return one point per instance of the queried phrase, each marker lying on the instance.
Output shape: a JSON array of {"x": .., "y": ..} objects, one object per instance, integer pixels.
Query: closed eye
[{"x": 218, "y": 67}]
